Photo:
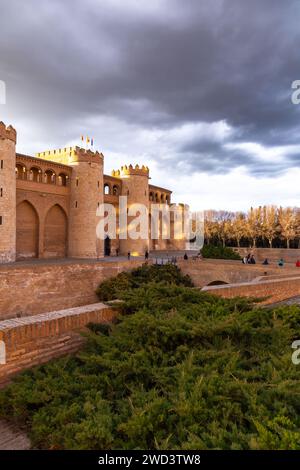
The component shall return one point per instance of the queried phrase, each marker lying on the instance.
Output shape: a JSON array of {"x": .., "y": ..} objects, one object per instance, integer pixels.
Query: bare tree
[
  {"x": 254, "y": 224},
  {"x": 288, "y": 224},
  {"x": 239, "y": 229},
  {"x": 269, "y": 223},
  {"x": 224, "y": 219},
  {"x": 210, "y": 225}
]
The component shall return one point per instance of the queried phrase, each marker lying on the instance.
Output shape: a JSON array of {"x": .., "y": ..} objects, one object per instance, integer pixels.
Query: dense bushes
[
  {"x": 219, "y": 252},
  {"x": 179, "y": 370},
  {"x": 115, "y": 287}
]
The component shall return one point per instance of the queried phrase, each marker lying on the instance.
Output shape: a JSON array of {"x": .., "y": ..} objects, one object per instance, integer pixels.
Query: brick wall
[
  {"x": 33, "y": 288},
  {"x": 203, "y": 272},
  {"x": 29, "y": 341},
  {"x": 273, "y": 254},
  {"x": 275, "y": 290}
]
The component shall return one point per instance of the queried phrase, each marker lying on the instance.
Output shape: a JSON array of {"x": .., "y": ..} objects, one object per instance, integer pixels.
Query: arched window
[
  {"x": 20, "y": 171},
  {"x": 49, "y": 177},
  {"x": 151, "y": 196},
  {"x": 115, "y": 190},
  {"x": 106, "y": 189},
  {"x": 62, "y": 179},
  {"x": 162, "y": 198},
  {"x": 35, "y": 174},
  {"x": 156, "y": 197}
]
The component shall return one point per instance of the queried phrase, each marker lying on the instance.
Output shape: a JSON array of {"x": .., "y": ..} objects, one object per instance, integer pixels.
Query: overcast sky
[{"x": 199, "y": 90}]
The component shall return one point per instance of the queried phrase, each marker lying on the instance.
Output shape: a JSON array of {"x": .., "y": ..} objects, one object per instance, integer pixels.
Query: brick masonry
[
  {"x": 44, "y": 306},
  {"x": 36, "y": 339},
  {"x": 33, "y": 288},
  {"x": 49, "y": 203},
  {"x": 273, "y": 254},
  {"x": 203, "y": 272},
  {"x": 274, "y": 290}
]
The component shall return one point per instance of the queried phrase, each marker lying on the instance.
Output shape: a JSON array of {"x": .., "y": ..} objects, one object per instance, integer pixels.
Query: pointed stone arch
[
  {"x": 27, "y": 231},
  {"x": 55, "y": 233}
]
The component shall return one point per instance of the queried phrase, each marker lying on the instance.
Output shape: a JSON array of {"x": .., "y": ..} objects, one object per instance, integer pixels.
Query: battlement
[
  {"x": 69, "y": 155},
  {"x": 126, "y": 171},
  {"x": 7, "y": 132}
]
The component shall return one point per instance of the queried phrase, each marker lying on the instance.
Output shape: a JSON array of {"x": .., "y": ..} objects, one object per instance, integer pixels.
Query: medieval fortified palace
[{"x": 48, "y": 203}]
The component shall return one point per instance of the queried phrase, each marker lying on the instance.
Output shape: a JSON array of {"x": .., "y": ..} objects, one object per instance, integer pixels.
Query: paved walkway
[
  {"x": 291, "y": 301},
  {"x": 107, "y": 259},
  {"x": 12, "y": 438}
]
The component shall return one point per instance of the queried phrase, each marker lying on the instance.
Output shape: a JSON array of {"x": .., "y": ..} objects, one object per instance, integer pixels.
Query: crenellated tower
[
  {"x": 8, "y": 137},
  {"x": 86, "y": 194},
  {"x": 135, "y": 185}
]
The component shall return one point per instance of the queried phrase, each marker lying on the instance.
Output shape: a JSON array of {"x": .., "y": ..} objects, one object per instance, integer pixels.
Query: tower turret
[
  {"x": 8, "y": 137},
  {"x": 86, "y": 194},
  {"x": 135, "y": 186},
  {"x": 86, "y": 197}
]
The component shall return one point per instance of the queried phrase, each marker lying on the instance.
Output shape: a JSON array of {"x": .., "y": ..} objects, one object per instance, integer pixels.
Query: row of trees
[{"x": 260, "y": 226}]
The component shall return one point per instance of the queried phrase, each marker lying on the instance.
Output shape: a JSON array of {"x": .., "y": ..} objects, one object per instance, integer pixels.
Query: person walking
[
  {"x": 146, "y": 255},
  {"x": 128, "y": 255}
]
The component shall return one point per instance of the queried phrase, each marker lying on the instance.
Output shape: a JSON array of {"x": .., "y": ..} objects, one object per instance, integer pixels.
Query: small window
[
  {"x": 1, "y": 192},
  {"x": 77, "y": 181},
  {"x": 1, "y": 220},
  {"x": 1, "y": 164},
  {"x": 76, "y": 204}
]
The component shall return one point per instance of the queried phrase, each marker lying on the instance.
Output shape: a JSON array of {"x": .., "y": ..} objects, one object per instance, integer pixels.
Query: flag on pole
[
  {"x": 92, "y": 142},
  {"x": 87, "y": 140}
]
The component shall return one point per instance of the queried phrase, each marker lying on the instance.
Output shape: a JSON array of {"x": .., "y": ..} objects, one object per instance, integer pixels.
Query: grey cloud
[{"x": 158, "y": 67}]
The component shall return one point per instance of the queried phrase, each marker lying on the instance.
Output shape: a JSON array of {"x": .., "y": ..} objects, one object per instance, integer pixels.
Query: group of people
[{"x": 249, "y": 259}]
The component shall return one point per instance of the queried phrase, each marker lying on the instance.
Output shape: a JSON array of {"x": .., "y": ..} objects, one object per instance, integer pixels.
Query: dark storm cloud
[{"x": 157, "y": 66}]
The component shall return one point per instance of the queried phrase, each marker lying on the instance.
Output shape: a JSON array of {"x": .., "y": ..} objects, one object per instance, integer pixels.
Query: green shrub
[
  {"x": 185, "y": 370},
  {"x": 219, "y": 252},
  {"x": 114, "y": 288}
]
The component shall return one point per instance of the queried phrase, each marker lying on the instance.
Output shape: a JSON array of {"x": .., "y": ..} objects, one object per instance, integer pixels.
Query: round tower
[
  {"x": 86, "y": 196},
  {"x": 8, "y": 137},
  {"x": 178, "y": 220},
  {"x": 136, "y": 188}
]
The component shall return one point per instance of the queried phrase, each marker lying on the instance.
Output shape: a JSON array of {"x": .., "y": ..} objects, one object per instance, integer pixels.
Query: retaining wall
[
  {"x": 33, "y": 288},
  {"x": 25, "y": 342}
]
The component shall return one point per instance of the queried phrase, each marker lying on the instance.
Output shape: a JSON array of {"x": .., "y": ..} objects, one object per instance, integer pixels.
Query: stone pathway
[
  {"x": 291, "y": 301},
  {"x": 12, "y": 438}
]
